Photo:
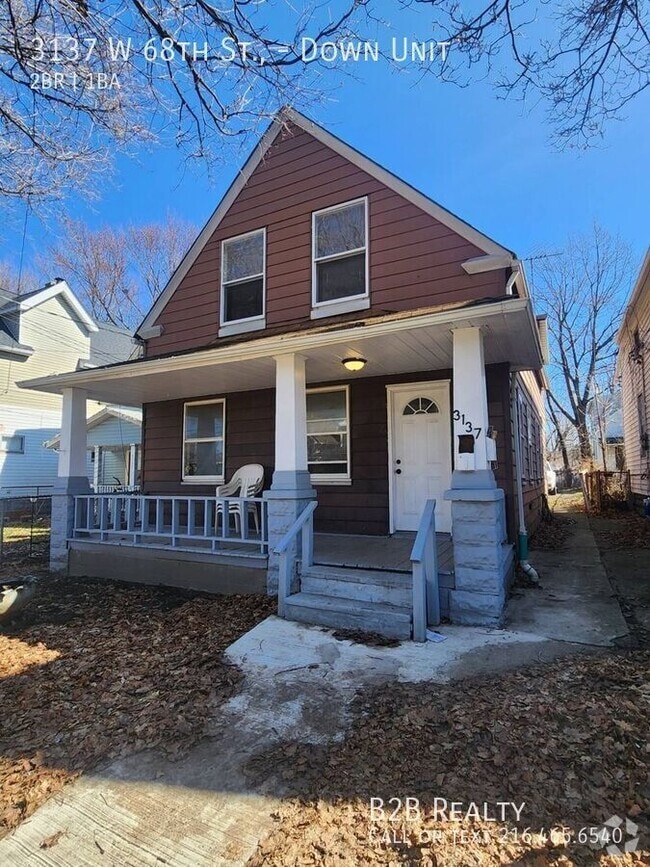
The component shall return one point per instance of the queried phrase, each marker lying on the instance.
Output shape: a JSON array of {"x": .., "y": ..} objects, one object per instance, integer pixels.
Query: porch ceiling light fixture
[{"x": 354, "y": 364}]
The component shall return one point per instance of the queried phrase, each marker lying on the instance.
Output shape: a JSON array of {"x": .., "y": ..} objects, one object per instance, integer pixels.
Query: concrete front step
[
  {"x": 341, "y": 613},
  {"x": 365, "y": 585}
]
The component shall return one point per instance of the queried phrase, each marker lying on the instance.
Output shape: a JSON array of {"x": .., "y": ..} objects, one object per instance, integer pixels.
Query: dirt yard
[
  {"x": 93, "y": 670},
  {"x": 568, "y": 741}
]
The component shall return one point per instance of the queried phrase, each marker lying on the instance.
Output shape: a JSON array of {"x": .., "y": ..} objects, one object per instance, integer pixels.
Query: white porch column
[
  {"x": 72, "y": 446},
  {"x": 72, "y": 476},
  {"x": 290, "y": 423},
  {"x": 291, "y": 489},
  {"x": 483, "y": 560},
  {"x": 470, "y": 412},
  {"x": 133, "y": 464}
]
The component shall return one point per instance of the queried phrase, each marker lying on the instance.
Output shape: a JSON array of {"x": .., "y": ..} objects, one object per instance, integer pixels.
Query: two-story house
[
  {"x": 42, "y": 332},
  {"x": 368, "y": 350}
]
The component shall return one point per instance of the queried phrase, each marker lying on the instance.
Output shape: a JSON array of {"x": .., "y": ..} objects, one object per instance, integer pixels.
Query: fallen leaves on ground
[
  {"x": 631, "y": 531},
  {"x": 92, "y": 670},
  {"x": 552, "y": 533},
  {"x": 570, "y": 739}
]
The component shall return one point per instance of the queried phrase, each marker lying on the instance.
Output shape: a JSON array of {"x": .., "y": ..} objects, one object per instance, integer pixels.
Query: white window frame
[
  {"x": 250, "y": 323},
  {"x": 7, "y": 451},
  {"x": 202, "y": 480},
  {"x": 335, "y": 478},
  {"x": 350, "y": 303}
]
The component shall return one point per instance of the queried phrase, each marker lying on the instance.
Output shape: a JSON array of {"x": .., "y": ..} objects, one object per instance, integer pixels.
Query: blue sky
[{"x": 488, "y": 160}]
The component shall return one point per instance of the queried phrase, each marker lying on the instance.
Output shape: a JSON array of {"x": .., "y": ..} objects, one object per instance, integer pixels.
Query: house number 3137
[{"x": 467, "y": 424}]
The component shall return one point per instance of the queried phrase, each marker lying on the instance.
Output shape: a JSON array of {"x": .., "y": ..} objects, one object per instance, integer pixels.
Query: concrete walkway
[
  {"x": 299, "y": 682},
  {"x": 575, "y": 601}
]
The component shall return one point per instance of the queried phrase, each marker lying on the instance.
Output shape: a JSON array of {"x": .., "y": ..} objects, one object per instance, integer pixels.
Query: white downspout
[
  {"x": 512, "y": 279},
  {"x": 523, "y": 533}
]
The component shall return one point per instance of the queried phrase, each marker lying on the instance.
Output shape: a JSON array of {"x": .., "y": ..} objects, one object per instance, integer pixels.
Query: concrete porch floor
[{"x": 388, "y": 553}]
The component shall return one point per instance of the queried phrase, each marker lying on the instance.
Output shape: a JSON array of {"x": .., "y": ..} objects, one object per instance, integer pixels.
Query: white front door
[{"x": 420, "y": 453}]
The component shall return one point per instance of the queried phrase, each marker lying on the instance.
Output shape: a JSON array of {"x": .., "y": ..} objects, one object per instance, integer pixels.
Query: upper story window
[
  {"x": 204, "y": 440},
  {"x": 340, "y": 259},
  {"x": 242, "y": 281}
]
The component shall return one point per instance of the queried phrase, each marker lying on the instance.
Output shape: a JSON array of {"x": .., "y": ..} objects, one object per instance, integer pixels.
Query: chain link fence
[{"x": 25, "y": 522}]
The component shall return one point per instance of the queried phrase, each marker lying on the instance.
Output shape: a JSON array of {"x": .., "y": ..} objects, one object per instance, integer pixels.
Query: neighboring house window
[
  {"x": 328, "y": 441},
  {"x": 242, "y": 277},
  {"x": 340, "y": 248},
  {"x": 204, "y": 440},
  {"x": 14, "y": 444}
]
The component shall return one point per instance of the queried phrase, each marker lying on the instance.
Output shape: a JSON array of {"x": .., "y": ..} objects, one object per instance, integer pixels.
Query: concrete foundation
[
  {"x": 484, "y": 561},
  {"x": 213, "y": 573}
]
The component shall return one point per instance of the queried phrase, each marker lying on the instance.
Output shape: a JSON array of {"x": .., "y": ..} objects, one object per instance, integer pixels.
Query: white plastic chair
[{"x": 247, "y": 481}]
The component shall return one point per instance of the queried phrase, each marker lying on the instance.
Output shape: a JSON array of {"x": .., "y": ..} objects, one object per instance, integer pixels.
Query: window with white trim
[
  {"x": 328, "y": 439},
  {"x": 340, "y": 262},
  {"x": 204, "y": 425},
  {"x": 242, "y": 277},
  {"x": 12, "y": 444}
]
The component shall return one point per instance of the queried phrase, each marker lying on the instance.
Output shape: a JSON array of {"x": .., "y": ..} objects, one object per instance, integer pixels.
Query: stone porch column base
[
  {"x": 483, "y": 560},
  {"x": 63, "y": 496},
  {"x": 287, "y": 497}
]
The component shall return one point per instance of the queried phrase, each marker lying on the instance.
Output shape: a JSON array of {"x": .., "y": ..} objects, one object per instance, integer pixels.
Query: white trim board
[{"x": 289, "y": 115}]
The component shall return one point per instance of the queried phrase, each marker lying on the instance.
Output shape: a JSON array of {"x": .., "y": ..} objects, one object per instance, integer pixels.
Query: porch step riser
[
  {"x": 383, "y": 624},
  {"x": 341, "y": 589}
]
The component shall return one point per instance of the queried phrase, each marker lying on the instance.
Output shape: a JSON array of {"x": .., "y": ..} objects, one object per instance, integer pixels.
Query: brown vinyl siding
[
  {"x": 361, "y": 507},
  {"x": 415, "y": 261}
]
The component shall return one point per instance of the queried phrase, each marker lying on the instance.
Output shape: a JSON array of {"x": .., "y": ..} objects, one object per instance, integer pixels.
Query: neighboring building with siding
[
  {"x": 113, "y": 438},
  {"x": 634, "y": 370},
  {"x": 44, "y": 332},
  {"x": 364, "y": 345}
]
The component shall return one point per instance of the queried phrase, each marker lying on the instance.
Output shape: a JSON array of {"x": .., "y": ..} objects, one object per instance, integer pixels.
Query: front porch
[
  {"x": 350, "y": 580},
  {"x": 408, "y": 445}
]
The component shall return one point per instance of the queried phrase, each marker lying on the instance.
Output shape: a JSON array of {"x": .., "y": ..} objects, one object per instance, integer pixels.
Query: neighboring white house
[
  {"x": 44, "y": 332},
  {"x": 113, "y": 438}
]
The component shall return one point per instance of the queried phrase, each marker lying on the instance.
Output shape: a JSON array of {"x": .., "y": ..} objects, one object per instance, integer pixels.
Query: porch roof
[{"x": 393, "y": 344}]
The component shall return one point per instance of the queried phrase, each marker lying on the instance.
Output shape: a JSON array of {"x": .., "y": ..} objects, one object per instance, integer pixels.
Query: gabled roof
[
  {"x": 58, "y": 287},
  {"x": 289, "y": 115},
  {"x": 129, "y": 414}
]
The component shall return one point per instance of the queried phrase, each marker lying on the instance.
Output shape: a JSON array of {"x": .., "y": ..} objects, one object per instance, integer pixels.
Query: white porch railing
[
  {"x": 115, "y": 489},
  {"x": 424, "y": 561},
  {"x": 194, "y": 523},
  {"x": 304, "y": 524}
]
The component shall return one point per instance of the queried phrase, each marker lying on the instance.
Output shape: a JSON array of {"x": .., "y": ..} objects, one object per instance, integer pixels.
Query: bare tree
[
  {"x": 583, "y": 292},
  {"x": 14, "y": 281},
  {"x": 154, "y": 251},
  {"x": 586, "y": 59},
  {"x": 82, "y": 79},
  {"x": 119, "y": 271}
]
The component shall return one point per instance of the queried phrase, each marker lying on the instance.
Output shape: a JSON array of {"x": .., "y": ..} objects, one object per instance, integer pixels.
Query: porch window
[
  {"x": 13, "y": 444},
  {"x": 242, "y": 277},
  {"x": 328, "y": 441},
  {"x": 203, "y": 441},
  {"x": 340, "y": 262}
]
